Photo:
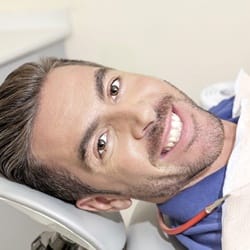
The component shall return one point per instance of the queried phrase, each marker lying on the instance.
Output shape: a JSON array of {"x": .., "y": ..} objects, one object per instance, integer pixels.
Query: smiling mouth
[{"x": 174, "y": 134}]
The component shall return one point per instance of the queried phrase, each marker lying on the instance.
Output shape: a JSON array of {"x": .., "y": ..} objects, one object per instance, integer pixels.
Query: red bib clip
[{"x": 197, "y": 218}]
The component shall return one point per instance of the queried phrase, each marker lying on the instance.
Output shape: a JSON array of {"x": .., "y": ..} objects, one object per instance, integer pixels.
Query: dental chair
[
  {"x": 143, "y": 232},
  {"x": 80, "y": 229},
  {"x": 68, "y": 227}
]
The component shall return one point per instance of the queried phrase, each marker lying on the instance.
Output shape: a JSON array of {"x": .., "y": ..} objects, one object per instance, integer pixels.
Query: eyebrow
[
  {"x": 100, "y": 74},
  {"x": 99, "y": 77},
  {"x": 86, "y": 138}
]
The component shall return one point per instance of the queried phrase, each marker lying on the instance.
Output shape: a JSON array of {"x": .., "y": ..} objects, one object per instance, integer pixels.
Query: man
[{"x": 97, "y": 137}]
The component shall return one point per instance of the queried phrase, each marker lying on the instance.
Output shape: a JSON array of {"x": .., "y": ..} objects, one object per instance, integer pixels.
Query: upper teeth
[{"x": 175, "y": 132}]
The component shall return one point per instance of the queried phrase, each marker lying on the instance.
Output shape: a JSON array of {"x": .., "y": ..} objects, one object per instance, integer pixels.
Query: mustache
[{"x": 156, "y": 132}]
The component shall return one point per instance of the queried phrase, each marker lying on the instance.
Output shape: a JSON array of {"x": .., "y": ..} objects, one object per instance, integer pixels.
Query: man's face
[{"x": 123, "y": 132}]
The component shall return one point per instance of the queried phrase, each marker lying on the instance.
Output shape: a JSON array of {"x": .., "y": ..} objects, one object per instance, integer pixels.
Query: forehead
[{"x": 65, "y": 103}]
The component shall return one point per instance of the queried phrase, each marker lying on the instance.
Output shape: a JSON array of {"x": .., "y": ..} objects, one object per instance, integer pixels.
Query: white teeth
[
  {"x": 170, "y": 144},
  {"x": 175, "y": 124},
  {"x": 175, "y": 117},
  {"x": 175, "y": 132}
]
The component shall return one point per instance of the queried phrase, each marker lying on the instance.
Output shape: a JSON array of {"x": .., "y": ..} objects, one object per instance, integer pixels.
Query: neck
[{"x": 221, "y": 161}]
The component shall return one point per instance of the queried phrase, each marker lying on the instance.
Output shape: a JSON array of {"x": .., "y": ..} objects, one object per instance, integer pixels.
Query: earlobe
[
  {"x": 103, "y": 203},
  {"x": 93, "y": 203}
]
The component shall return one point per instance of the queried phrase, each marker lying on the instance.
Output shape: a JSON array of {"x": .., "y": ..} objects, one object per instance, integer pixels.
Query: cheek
[{"x": 132, "y": 161}]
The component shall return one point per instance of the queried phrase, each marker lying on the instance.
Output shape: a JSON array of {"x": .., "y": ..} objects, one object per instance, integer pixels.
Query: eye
[
  {"x": 115, "y": 88},
  {"x": 101, "y": 144}
]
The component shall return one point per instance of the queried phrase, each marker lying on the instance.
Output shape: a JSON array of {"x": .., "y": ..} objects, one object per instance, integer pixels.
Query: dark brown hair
[{"x": 19, "y": 100}]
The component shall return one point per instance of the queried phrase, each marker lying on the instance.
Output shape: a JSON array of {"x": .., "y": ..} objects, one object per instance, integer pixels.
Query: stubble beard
[{"x": 178, "y": 175}]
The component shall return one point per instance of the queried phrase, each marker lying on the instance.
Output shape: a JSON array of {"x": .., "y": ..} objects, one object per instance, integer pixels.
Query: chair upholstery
[
  {"x": 105, "y": 231},
  {"x": 144, "y": 233}
]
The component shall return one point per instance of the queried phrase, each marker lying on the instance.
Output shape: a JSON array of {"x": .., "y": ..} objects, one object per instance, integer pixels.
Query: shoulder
[{"x": 223, "y": 110}]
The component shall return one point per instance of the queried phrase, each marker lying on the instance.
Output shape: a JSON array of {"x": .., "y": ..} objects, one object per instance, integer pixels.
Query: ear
[{"x": 104, "y": 203}]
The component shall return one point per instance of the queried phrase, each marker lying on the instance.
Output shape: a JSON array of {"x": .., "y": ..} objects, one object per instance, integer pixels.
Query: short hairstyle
[{"x": 19, "y": 100}]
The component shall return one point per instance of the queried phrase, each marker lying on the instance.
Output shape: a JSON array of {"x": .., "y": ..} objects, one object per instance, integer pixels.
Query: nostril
[
  {"x": 144, "y": 117},
  {"x": 140, "y": 132},
  {"x": 146, "y": 128}
]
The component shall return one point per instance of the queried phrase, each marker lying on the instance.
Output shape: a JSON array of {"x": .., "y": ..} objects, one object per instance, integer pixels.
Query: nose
[{"x": 137, "y": 118}]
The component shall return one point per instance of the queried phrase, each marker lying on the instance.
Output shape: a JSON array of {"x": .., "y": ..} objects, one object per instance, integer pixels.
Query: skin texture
[{"x": 134, "y": 123}]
